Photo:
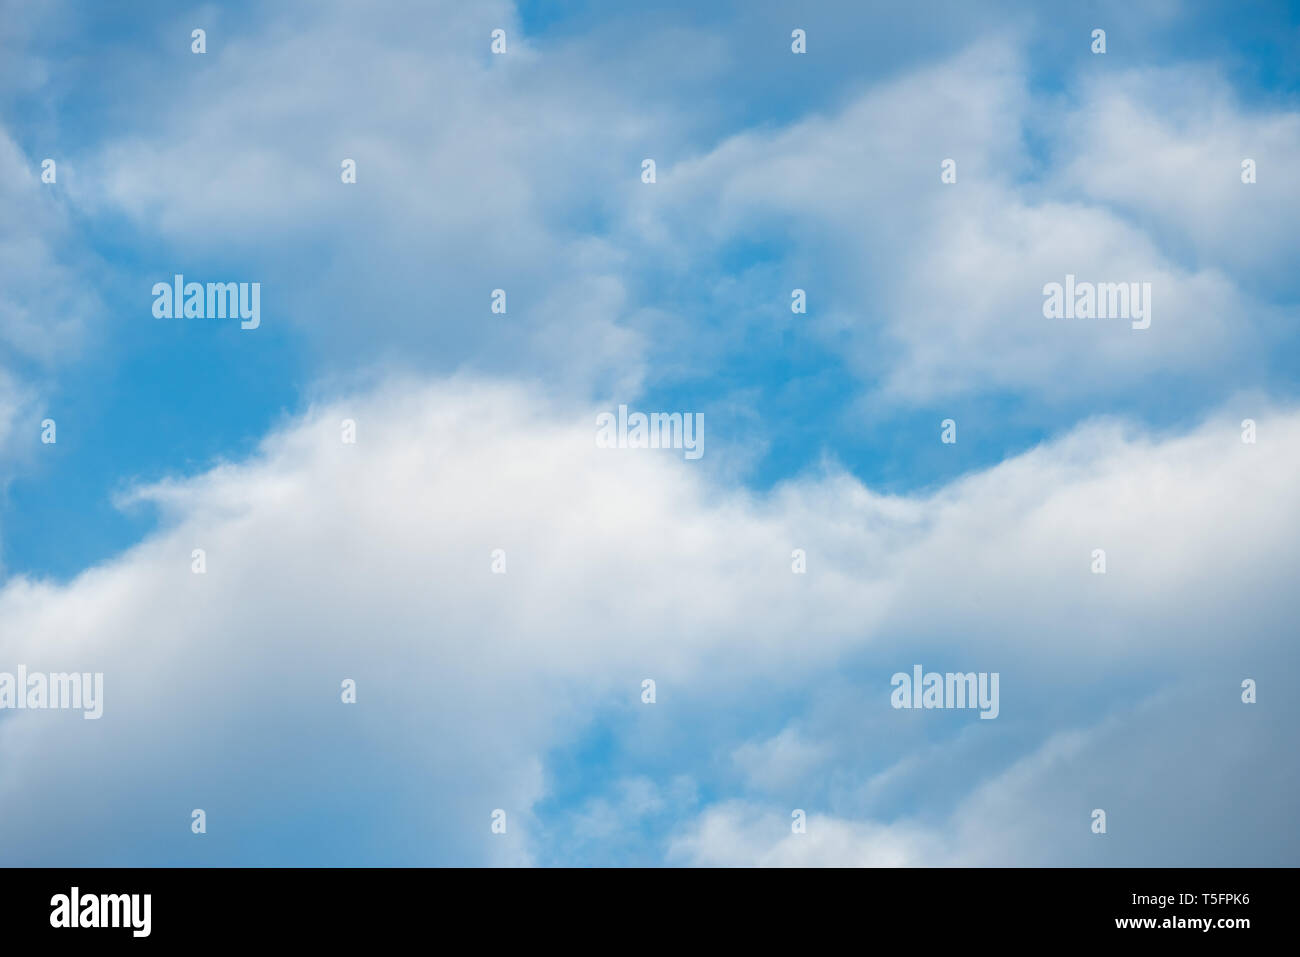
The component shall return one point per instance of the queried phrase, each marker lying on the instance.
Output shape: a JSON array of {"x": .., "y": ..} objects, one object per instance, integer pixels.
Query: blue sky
[{"x": 775, "y": 171}]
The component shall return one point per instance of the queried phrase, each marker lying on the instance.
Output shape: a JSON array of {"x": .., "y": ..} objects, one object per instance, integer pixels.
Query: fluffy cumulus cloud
[
  {"x": 373, "y": 561},
  {"x": 945, "y": 295},
  {"x": 474, "y": 172},
  {"x": 527, "y": 179},
  {"x": 1157, "y": 145}
]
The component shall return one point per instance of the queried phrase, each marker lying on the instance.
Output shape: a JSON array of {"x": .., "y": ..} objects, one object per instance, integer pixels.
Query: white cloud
[
  {"x": 474, "y": 172},
  {"x": 780, "y": 761},
  {"x": 737, "y": 834},
  {"x": 1165, "y": 146},
  {"x": 372, "y": 561},
  {"x": 1189, "y": 778},
  {"x": 479, "y": 172},
  {"x": 936, "y": 290},
  {"x": 48, "y": 306},
  {"x": 44, "y": 300}
]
